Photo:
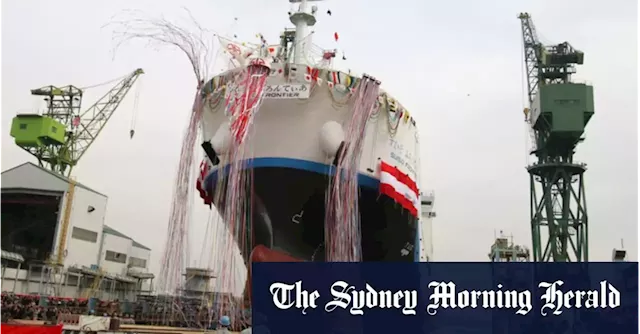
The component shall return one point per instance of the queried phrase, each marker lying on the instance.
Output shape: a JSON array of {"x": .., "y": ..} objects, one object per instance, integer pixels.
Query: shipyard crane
[
  {"x": 61, "y": 135},
  {"x": 558, "y": 113}
]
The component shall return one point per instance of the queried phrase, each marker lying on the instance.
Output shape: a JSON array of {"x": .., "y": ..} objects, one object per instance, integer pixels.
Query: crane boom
[
  {"x": 531, "y": 54},
  {"x": 62, "y": 134},
  {"x": 93, "y": 120},
  {"x": 545, "y": 65}
]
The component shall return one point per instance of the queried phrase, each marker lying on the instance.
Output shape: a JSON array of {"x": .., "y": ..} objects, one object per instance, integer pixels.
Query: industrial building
[{"x": 55, "y": 242}]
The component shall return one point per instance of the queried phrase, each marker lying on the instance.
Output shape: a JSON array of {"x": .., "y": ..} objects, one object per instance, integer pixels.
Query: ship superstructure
[
  {"x": 504, "y": 249},
  {"x": 424, "y": 243}
]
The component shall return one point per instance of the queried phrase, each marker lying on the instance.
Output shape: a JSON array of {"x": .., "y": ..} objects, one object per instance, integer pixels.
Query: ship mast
[{"x": 303, "y": 18}]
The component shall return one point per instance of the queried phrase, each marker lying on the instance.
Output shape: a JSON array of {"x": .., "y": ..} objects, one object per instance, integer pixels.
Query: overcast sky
[{"x": 456, "y": 65}]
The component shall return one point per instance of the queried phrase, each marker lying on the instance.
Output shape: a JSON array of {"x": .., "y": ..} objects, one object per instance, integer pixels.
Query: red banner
[{"x": 30, "y": 329}]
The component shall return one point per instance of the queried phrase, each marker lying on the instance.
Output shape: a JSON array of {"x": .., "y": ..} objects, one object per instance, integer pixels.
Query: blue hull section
[
  {"x": 310, "y": 166},
  {"x": 289, "y": 205}
]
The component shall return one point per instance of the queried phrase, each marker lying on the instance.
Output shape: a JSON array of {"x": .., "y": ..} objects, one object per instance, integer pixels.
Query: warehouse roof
[
  {"x": 139, "y": 245},
  {"x": 66, "y": 180},
  {"x": 112, "y": 231}
]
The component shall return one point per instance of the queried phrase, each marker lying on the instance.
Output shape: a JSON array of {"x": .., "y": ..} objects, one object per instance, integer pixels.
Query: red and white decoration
[
  {"x": 205, "y": 168},
  {"x": 312, "y": 74},
  {"x": 400, "y": 187}
]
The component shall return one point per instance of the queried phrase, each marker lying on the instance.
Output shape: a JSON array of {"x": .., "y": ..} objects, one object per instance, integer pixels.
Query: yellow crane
[
  {"x": 95, "y": 285},
  {"x": 64, "y": 226}
]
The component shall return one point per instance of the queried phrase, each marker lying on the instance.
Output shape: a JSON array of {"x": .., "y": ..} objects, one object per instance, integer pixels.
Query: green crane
[
  {"x": 62, "y": 133},
  {"x": 558, "y": 114}
]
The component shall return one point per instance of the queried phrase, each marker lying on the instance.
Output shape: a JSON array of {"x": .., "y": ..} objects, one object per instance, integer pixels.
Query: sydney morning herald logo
[{"x": 445, "y": 295}]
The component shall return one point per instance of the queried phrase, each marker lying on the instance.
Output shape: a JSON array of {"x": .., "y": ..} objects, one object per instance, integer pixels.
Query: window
[
  {"x": 137, "y": 262},
  {"x": 115, "y": 257},
  {"x": 54, "y": 129},
  {"x": 23, "y": 126},
  {"x": 85, "y": 235}
]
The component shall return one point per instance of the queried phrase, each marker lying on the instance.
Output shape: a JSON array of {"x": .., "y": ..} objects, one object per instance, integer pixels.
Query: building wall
[
  {"x": 65, "y": 285},
  {"x": 143, "y": 254},
  {"x": 19, "y": 281},
  {"x": 82, "y": 252},
  {"x": 113, "y": 243}
]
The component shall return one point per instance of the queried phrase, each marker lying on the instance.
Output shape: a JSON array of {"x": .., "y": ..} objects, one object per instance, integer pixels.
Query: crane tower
[
  {"x": 62, "y": 134},
  {"x": 558, "y": 114}
]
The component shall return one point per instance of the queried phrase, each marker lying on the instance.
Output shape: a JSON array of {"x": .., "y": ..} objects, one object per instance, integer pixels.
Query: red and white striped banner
[{"x": 399, "y": 186}]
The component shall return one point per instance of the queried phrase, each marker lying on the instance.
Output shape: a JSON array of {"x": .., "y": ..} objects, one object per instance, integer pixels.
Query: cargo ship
[{"x": 297, "y": 117}]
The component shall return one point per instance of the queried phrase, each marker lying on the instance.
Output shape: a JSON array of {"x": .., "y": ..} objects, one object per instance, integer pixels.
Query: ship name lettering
[
  {"x": 397, "y": 158},
  {"x": 395, "y": 145},
  {"x": 281, "y": 95},
  {"x": 272, "y": 88},
  {"x": 407, "y": 164},
  {"x": 410, "y": 168},
  {"x": 286, "y": 91}
]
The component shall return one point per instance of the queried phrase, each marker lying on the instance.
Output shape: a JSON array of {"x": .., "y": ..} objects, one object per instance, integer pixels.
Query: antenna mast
[{"x": 303, "y": 18}]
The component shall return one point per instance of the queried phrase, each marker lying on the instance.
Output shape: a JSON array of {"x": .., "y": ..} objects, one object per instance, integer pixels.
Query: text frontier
[{"x": 345, "y": 296}]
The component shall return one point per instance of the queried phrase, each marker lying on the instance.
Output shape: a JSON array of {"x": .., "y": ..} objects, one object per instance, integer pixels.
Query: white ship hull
[{"x": 291, "y": 142}]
